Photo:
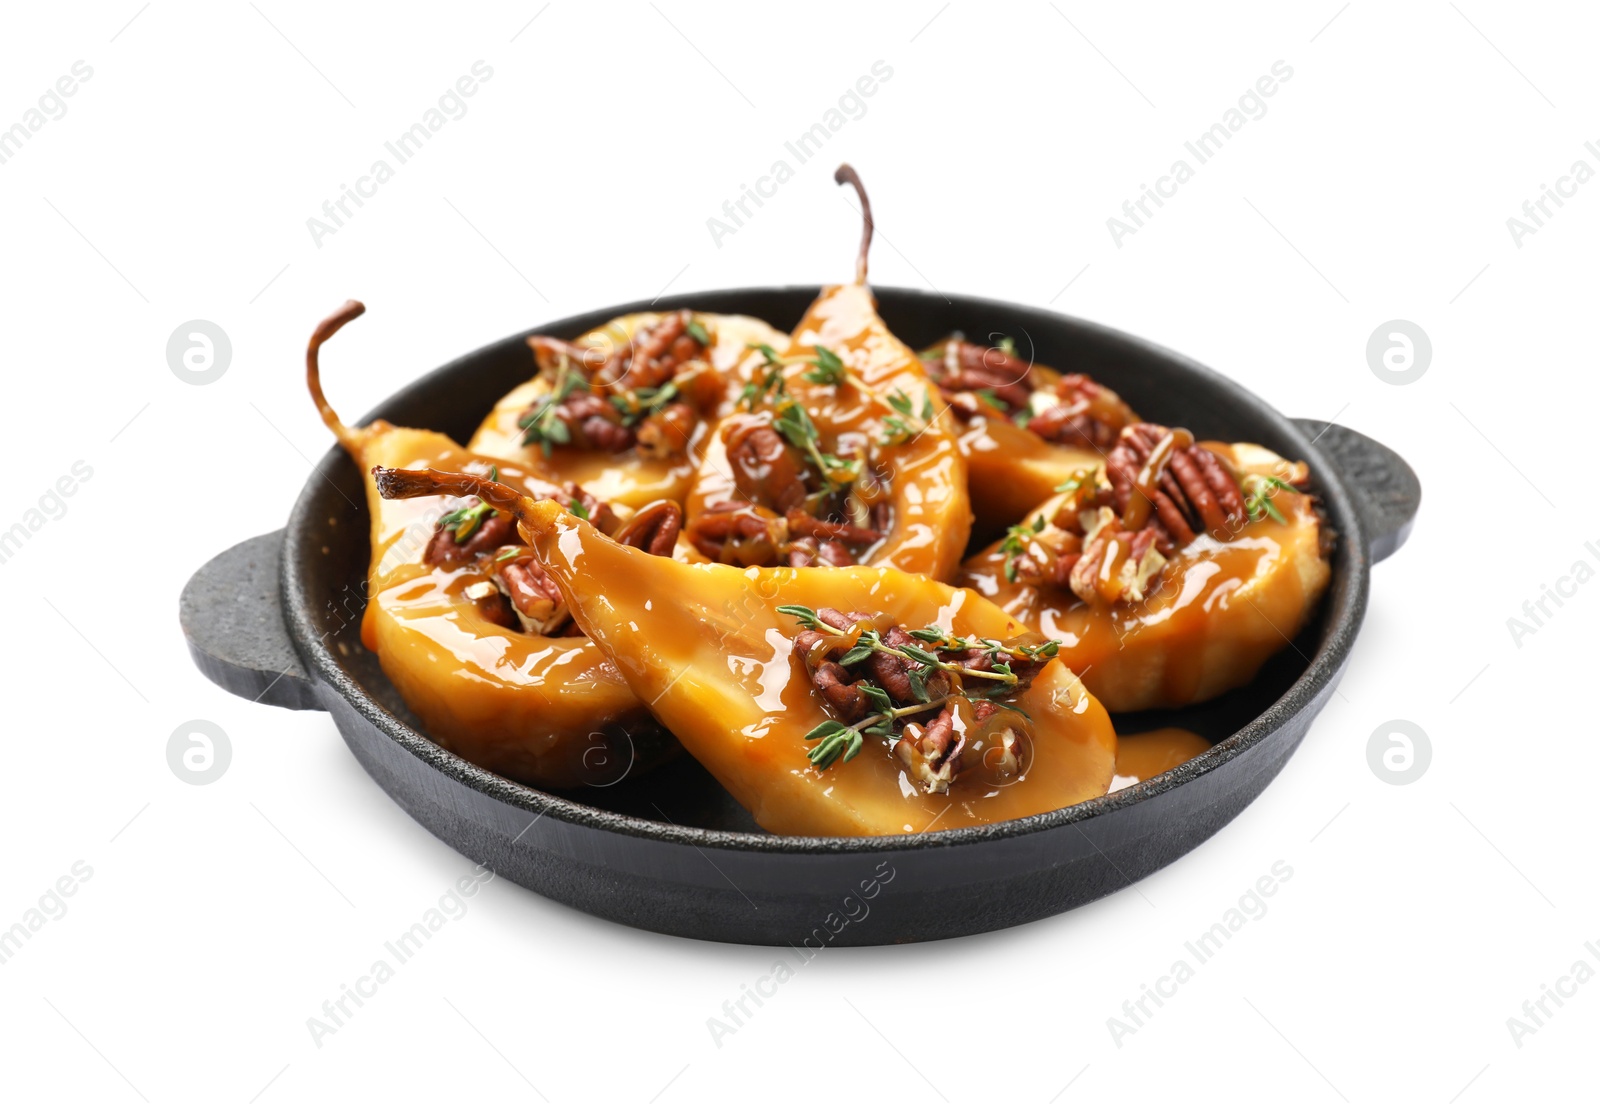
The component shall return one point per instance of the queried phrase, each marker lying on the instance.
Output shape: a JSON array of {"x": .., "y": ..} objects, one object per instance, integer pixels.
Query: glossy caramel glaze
[
  {"x": 1218, "y": 612},
  {"x": 551, "y": 711},
  {"x": 1143, "y": 756},
  {"x": 629, "y": 478},
  {"x": 926, "y": 477},
  {"x": 705, "y": 645}
]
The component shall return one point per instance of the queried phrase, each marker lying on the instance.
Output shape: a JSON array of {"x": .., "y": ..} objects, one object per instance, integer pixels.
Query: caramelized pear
[
  {"x": 447, "y": 587},
  {"x": 736, "y": 663},
  {"x": 1180, "y": 627},
  {"x": 839, "y": 451},
  {"x": 621, "y": 409}
]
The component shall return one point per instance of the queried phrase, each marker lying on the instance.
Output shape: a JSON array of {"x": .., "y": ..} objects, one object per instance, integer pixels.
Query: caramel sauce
[
  {"x": 930, "y": 511},
  {"x": 629, "y": 478},
  {"x": 1143, "y": 756},
  {"x": 1214, "y": 616},
  {"x": 707, "y": 647}
]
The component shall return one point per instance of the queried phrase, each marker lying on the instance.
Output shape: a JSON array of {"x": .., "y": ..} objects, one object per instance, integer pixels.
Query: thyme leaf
[
  {"x": 1261, "y": 489},
  {"x": 1015, "y": 544},
  {"x": 465, "y": 520}
]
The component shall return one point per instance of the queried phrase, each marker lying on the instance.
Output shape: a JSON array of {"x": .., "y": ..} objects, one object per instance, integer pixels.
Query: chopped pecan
[
  {"x": 653, "y": 357},
  {"x": 806, "y": 552},
  {"x": 738, "y": 534},
  {"x": 1086, "y": 414},
  {"x": 1049, "y": 563},
  {"x": 653, "y": 528},
  {"x": 993, "y": 383},
  {"x": 667, "y": 432},
  {"x": 983, "y": 660},
  {"x": 874, "y": 677},
  {"x": 1116, "y": 564},
  {"x": 492, "y": 604},
  {"x": 809, "y": 526},
  {"x": 594, "y": 423},
  {"x": 959, "y": 366},
  {"x": 598, "y": 513},
  {"x": 932, "y": 753},
  {"x": 840, "y": 692},
  {"x": 890, "y": 672}
]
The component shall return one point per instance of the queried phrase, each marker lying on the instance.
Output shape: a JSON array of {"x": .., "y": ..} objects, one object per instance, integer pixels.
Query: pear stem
[
  {"x": 537, "y": 516},
  {"x": 846, "y": 175},
  {"x": 326, "y": 329}
]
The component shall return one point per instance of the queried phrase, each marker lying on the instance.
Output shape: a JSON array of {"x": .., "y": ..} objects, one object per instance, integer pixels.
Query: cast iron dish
[{"x": 276, "y": 619}]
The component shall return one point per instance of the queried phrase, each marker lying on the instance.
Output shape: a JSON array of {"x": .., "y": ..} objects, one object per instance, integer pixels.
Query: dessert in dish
[
  {"x": 470, "y": 631},
  {"x": 691, "y": 528}
]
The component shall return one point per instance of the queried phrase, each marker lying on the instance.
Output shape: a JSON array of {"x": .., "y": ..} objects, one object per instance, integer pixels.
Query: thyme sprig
[
  {"x": 839, "y": 740},
  {"x": 827, "y": 368},
  {"x": 904, "y": 422},
  {"x": 939, "y": 639},
  {"x": 794, "y": 423},
  {"x": 465, "y": 520},
  {"x": 1258, "y": 503},
  {"x": 1015, "y": 544},
  {"x": 640, "y": 403},
  {"x": 907, "y": 421},
  {"x": 544, "y": 424},
  {"x": 796, "y": 426},
  {"x": 871, "y": 641}
]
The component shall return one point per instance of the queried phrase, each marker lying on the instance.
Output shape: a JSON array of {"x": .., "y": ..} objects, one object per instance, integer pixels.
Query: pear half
[
  {"x": 1218, "y": 612},
  {"x": 708, "y": 649},
  {"x": 550, "y": 711}
]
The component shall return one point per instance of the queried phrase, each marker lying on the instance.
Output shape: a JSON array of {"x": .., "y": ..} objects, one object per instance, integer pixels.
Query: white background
[{"x": 177, "y": 186}]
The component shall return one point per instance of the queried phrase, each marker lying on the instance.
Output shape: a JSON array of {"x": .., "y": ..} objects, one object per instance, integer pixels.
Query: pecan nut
[
  {"x": 534, "y": 597},
  {"x": 932, "y": 753},
  {"x": 1190, "y": 491},
  {"x": 653, "y": 528},
  {"x": 1117, "y": 565},
  {"x": 766, "y": 468}
]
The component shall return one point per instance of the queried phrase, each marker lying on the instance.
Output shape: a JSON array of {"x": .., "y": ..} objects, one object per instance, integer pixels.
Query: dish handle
[
  {"x": 233, "y": 620},
  {"x": 1385, "y": 488}
]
